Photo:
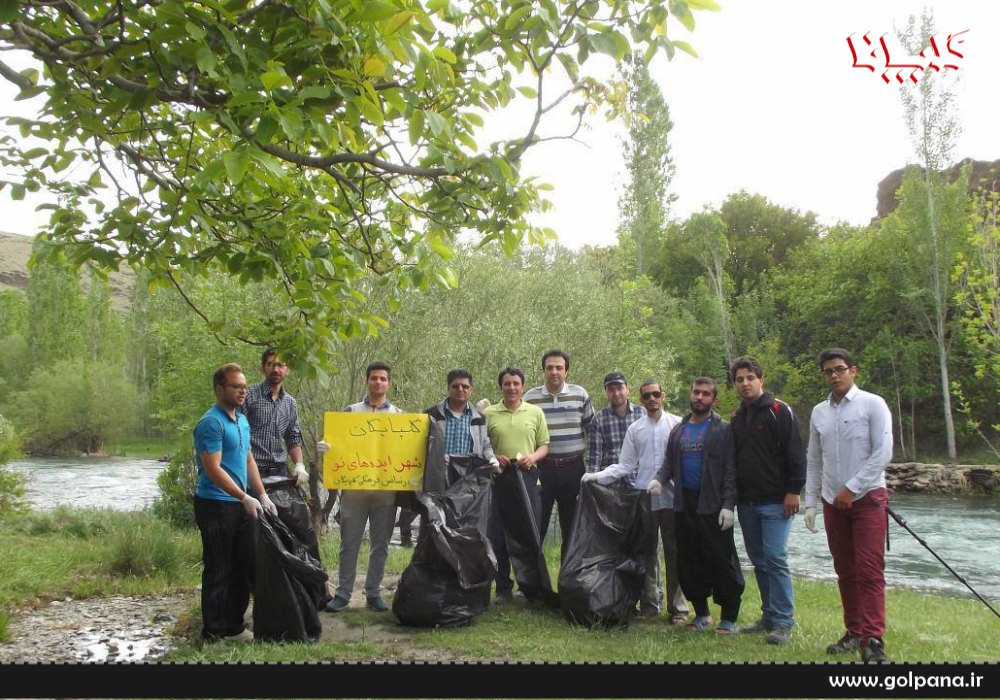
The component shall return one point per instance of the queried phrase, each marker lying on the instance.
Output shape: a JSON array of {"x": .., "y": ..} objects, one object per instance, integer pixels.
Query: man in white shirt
[
  {"x": 640, "y": 460},
  {"x": 850, "y": 444}
]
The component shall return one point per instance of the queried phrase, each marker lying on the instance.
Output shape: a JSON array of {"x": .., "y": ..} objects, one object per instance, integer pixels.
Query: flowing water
[{"x": 963, "y": 530}]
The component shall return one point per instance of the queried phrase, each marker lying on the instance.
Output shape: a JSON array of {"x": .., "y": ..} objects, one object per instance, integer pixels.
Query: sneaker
[
  {"x": 848, "y": 642},
  {"x": 756, "y": 628},
  {"x": 874, "y": 652},
  {"x": 377, "y": 604},
  {"x": 338, "y": 603},
  {"x": 647, "y": 614},
  {"x": 779, "y": 636}
]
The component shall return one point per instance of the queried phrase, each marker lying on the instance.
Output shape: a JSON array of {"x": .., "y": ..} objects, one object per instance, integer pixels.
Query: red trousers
[{"x": 857, "y": 542}]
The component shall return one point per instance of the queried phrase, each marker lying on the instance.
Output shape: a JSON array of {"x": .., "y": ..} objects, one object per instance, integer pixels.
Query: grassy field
[{"x": 96, "y": 553}]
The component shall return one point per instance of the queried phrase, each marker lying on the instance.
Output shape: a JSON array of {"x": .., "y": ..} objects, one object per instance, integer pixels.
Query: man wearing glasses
[
  {"x": 770, "y": 473},
  {"x": 224, "y": 509},
  {"x": 464, "y": 426},
  {"x": 640, "y": 460},
  {"x": 850, "y": 444}
]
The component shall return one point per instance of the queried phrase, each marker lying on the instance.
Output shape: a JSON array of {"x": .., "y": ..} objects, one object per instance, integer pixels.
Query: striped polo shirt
[{"x": 567, "y": 414}]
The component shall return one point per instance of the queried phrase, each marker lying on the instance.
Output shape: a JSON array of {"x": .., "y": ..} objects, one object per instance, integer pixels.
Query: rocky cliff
[{"x": 984, "y": 175}]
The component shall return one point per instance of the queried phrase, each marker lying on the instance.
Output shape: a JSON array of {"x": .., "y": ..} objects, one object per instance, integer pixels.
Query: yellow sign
[{"x": 379, "y": 451}]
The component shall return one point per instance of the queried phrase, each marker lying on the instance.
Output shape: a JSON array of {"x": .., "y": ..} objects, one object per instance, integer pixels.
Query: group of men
[{"x": 701, "y": 471}]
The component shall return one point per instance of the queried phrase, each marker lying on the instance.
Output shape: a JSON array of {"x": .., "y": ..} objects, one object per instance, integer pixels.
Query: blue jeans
[{"x": 765, "y": 534}]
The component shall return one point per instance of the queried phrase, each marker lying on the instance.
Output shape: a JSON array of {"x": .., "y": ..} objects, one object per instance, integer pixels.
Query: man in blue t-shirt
[
  {"x": 224, "y": 509},
  {"x": 700, "y": 459}
]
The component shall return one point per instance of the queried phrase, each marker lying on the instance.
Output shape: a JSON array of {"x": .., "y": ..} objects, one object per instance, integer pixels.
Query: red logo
[{"x": 909, "y": 68}]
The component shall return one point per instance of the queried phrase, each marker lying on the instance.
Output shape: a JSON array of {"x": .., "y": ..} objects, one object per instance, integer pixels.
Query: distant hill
[
  {"x": 14, "y": 253},
  {"x": 983, "y": 175}
]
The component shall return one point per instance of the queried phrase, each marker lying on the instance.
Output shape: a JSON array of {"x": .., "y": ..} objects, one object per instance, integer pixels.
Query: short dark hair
[
  {"x": 746, "y": 362},
  {"x": 270, "y": 352},
  {"x": 459, "y": 374},
  {"x": 832, "y": 354},
  {"x": 516, "y": 371},
  {"x": 378, "y": 365},
  {"x": 707, "y": 380},
  {"x": 556, "y": 352},
  {"x": 649, "y": 382},
  {"x": 220, "y": 375}
]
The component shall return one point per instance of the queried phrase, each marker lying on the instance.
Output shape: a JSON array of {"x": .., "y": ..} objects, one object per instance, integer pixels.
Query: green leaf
[
  {"x": 236, "y": 164},
  {"x": 9, "y": 10},
  {"x": 374, "y": 66},
  {"x": 528, "y": 92},
  {"x": 437, "y": 123},
  {"x": 375, "y": 10},
  {"x": 28, "y": 93},
  {"x": 291, "y": 124},
  {"x": 416, "y": 126},
  {"x": 396, "y": 21},
  {"x": 681, "y": 12},
  {"x": 272, "y": 79},
  {"x": 515, "y": 17},
  {"x": 445, "y": 55},
  {"x": 710, "y": 5},
  {"x": 205, "y": 58},
  {"x": 686, "y": 48},
  {"x": 372, "y": 111},
  {"x": 17, "y": 192}
]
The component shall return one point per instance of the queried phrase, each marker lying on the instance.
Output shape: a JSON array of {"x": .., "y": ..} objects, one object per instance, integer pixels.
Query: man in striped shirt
[{"x": 568, "y": 413}]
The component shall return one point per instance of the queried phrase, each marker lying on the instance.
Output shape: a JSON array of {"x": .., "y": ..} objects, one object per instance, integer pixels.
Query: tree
[
  {"x": 644, "y": 201},
  {"x": 929, "y": 109},
  {"x": 308, "y": 142},
  {"x": 705, "y": 241}
]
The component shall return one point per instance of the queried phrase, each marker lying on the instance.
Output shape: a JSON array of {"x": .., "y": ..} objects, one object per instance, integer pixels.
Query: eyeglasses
[
  {"x": 275, "y": 365},
  {"x": 835, "y": 371},
  {"x": 240, "y": 388},
  {"x": 651, "y": 395}
]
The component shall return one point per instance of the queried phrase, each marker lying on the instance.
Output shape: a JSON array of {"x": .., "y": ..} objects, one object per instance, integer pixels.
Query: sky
[{"x": 772, "y": 105}]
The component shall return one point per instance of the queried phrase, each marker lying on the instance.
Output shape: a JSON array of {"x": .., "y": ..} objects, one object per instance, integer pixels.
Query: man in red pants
[{"x": 850, "y": 444}]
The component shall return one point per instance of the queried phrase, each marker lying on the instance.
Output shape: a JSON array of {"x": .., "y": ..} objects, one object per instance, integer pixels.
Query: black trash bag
[
  {"x": 447, "y": 582},
  {"x": 603, "y": 574},
  {"x": 293, "y": 510},
  {"x": 289, "y": 584},
  {"x": 521, "y": 533}
]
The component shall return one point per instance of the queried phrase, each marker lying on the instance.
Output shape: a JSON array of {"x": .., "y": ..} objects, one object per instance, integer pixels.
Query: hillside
[{"x": 14, "y": 253}]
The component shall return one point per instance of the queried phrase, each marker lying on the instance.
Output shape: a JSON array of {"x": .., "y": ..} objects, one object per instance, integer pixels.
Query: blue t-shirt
[
  {"x": 217, "y": 432},
  {"x": 692, "y": 446}
]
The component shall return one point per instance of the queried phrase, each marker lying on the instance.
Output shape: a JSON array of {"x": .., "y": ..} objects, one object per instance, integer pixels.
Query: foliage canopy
[{"x": 310, "y": 142}]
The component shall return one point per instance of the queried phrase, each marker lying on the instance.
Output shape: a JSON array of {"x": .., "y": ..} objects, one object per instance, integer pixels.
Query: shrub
[
  {"x": 177, "y": 482},
  {"x": 13, "y": 484},
  {"x": 143, "y": 546}
]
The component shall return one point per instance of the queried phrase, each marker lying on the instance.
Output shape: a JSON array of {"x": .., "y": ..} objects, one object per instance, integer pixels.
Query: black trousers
[
  {"x": 495, "y": 532},
  {"x": 707, "y": 559},
  {"x": 560, "y": 485},
  {"x": 227, "y": 544}
]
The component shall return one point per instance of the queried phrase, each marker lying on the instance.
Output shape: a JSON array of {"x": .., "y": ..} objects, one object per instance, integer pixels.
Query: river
[{"x": 963, "y": 530}]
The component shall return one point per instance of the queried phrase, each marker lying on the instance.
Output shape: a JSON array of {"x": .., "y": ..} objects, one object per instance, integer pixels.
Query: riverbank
[{"x": 916, "y": 477}]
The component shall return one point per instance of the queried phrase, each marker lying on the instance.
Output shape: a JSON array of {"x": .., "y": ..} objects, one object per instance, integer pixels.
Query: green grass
[
  {"x": 69, "y": 553},
  {"x": 142, "y": 448}
]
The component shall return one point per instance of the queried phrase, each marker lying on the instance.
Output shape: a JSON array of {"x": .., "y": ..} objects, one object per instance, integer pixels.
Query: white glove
[
  {"x": 726, "y": 519},
  {"x": 654, "y": 487},
  {"x": 810, "y": 519},
  {"x": 495, "y": 466},
  {"x": 588, "y": 476},
  {"x": 252, "y": 506},
  {"x": 322, "y": 447},
  {"x": 300, "y": 474},
  {"x": 267, "y": 504}
]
